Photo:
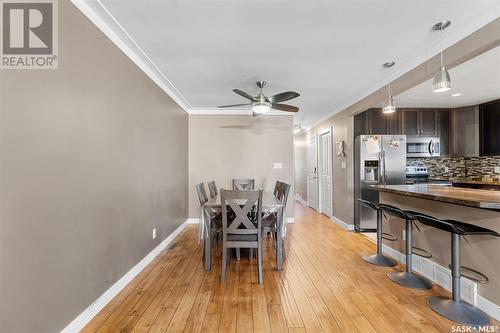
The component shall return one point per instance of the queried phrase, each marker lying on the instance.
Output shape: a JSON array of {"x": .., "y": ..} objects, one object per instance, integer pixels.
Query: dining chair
[
  {"x": 212, "y": 188},
  {"x": 270, "y": 222},
  {"x": 215, "y": 219},
  {"x": 244, "y": 184},
  {"x": 244, "y": 229},
  {"x": 202, "y": 196}
]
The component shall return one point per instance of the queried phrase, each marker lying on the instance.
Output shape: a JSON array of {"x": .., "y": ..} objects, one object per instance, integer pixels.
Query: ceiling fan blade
[
  {"x": 232, "y": 105},
  {"x": 284, "y": 96},
  {"x": 244, "y": 94},
  {"x": 285, "y": 107}
]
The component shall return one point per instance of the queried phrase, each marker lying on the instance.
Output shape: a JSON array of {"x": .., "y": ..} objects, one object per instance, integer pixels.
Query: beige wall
[
  {"x": 238, "y": 146},
  {"x": 343, "y": 127},
  {"x": 300, "y": 169},
  {"x": 93, "y": 156},
  {"x": 477, "y": 252}
]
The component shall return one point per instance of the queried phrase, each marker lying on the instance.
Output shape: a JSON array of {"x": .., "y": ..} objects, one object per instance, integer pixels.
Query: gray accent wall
[
  {"x": 238, "y": 146},
  {"x": 93, "y": 156}
]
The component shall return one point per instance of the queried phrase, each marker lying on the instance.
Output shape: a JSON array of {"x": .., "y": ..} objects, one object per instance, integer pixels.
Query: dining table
[{"x": 270, "y": 204}]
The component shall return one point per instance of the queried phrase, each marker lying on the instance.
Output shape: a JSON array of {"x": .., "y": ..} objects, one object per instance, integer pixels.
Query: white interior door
[
  {"x": 312, "y": 173},
  {"x": 325, "y": 174}
]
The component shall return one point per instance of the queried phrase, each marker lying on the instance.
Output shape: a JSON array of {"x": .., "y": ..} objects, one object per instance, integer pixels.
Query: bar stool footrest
[
  {"x": 380, "y": 260},
  {"x": 459, "y": 312},
  {"x": 421, "y": 252},
  {"x": 389, "y": 237},
  {"x": 412, "y": 281},
  {"x": 472, "y": 274}
]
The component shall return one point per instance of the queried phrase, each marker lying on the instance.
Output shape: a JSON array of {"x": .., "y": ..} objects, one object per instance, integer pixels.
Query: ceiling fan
[{"x": 261, "y": 104}]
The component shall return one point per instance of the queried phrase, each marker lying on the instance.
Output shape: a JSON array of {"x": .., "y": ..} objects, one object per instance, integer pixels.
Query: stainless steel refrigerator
[{"x": 378, "y": 160}]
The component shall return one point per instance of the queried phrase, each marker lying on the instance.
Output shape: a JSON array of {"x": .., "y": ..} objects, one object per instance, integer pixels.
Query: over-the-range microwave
[{"x": 422, "y": 146}]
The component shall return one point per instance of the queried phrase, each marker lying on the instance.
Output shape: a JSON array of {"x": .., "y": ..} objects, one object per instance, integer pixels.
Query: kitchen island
[
  {"x": 474, "y": 206},
  {"x": 486, "y": 199}
]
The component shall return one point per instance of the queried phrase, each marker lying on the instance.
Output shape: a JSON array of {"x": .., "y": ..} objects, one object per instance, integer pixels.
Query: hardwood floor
[{"x": 325, "y": 286}]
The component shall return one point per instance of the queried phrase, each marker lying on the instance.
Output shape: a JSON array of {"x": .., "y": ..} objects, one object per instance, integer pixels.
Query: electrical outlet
[
  {"x": 154, "y": 233},
  {"x": 497, "y": 169}
]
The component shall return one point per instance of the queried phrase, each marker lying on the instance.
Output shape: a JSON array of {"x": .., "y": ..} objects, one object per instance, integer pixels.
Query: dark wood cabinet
[
  {"x": 410, "y": 120},
  {"x": 422, "y": 122},
  {"x": 428, "y": 123},
  {"x": 377, "y": 122},
  {"x": 444, "y": 130},
  {"x": 374, "y": 121},
  {"x": 360, "y": 124},
  {"x": 465, "y": 131},
  {"x": 489, "y": 125},
  {"x": 393, "y": 123}
]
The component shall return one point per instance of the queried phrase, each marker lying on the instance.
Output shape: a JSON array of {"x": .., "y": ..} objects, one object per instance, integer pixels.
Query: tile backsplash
[{"x": 461, "y": 167}]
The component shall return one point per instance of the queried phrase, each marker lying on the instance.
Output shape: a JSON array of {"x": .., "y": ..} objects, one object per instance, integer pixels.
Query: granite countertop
[
  {"x": 468, "y": 180},
  {"x": 461, "y": 196}
]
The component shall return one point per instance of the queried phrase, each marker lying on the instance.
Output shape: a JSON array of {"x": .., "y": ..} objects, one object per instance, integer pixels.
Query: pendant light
[
  {"x": 442, "y": 79},
  {"x": 389, "y": 106}
]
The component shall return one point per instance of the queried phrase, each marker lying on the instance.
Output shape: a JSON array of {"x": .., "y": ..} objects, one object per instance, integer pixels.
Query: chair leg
[
  {"x": 224, "y": 264},
  {"x": 238, "y": 254},
  {"x": 260, "y": 262},
  {"x": 454, "y": 309},
  {"x": 407, "y": 278},
  {"x": 283, "y": 251},
  {"x": 250, "y": 254}
]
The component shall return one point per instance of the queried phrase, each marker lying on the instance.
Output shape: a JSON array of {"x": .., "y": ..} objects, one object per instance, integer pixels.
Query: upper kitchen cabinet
[
  {"x": 444, "y": 130},
  {"x": 374, "y": 121},
  {"x": 465, "y": 131},
  {"x": 423, "y": 122},
  {"x": 489, "y": 124}
]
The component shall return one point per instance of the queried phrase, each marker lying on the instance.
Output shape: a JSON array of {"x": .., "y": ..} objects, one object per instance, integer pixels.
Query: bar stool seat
[
  {"x": 378, "y": 258},
  {"x": 454, "y": 309},
  {"x": 408, "y": 278}
]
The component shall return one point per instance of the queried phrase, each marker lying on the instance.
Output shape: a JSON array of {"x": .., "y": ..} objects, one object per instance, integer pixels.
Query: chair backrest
[
  {"x": 212, "y": 188},
  {"x": 202, "y": 195},
  {"x": 277, "y": 188},
  {"x": 241, "y": 203},
  {"x": 283, "y": 192},
  {"x": 244, "y": 184}
]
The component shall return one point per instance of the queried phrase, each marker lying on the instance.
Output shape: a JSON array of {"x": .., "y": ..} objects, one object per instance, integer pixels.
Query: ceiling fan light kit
[{"x": 261, "y": 107}]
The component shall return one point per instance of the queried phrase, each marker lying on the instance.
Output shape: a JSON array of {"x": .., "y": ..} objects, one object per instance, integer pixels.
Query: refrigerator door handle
[{"x": 382, "y": 168}]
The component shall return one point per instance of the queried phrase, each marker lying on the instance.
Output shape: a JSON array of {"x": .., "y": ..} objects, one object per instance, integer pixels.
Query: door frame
[
  {"x": 319, "y": 161},
  {"x": 315, "y": 136}
]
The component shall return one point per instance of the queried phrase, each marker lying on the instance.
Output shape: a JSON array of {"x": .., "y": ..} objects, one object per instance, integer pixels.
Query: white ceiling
[
  {"x": 330, "y": 52},
  {"x": 477, "y": 79}
]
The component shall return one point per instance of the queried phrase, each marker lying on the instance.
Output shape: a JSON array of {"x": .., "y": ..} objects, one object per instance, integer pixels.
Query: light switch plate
[
  {"x": 277, "y": 165},
  {"x": 343, "y": 165}
]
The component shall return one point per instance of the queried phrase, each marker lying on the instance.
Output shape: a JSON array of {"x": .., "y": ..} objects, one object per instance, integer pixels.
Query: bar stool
[
  {"x": 377, "y": 258},
  {"x": 407, "y": 278},
  {"x": 454, "y": 309}
]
